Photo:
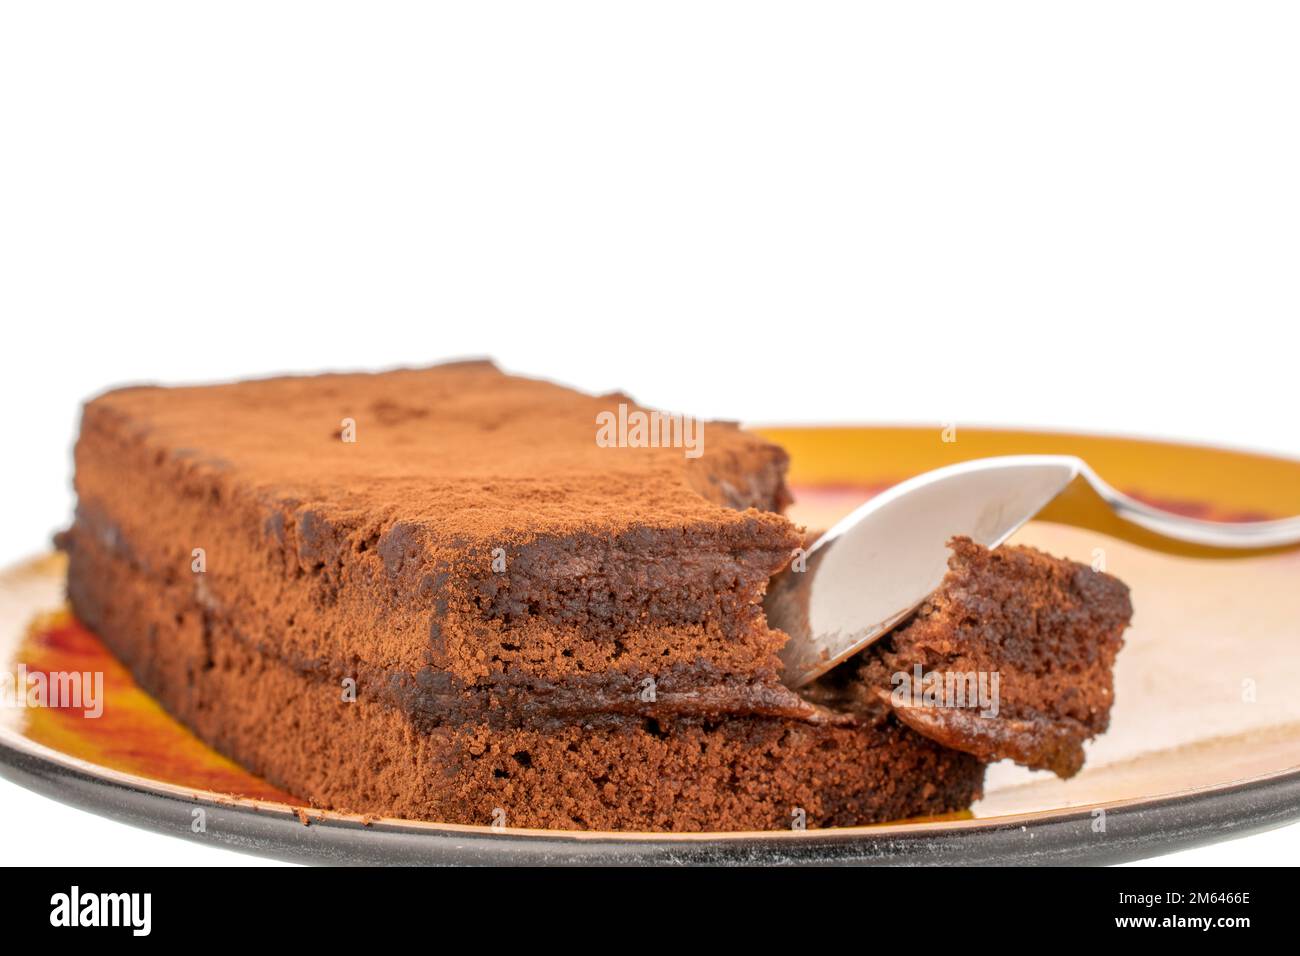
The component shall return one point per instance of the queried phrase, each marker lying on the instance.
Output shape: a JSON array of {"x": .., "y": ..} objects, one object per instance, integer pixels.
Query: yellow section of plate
[
  {"x": 1201, "y": 482},
  {"x": 1236, "y": 482}
]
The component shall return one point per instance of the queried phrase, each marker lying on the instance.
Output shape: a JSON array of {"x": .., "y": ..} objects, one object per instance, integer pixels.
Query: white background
[{"x": 1080, "y": 215}]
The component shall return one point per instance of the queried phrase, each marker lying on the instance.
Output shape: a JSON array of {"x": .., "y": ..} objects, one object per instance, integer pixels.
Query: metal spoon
[{"x": 876, "y": 566}]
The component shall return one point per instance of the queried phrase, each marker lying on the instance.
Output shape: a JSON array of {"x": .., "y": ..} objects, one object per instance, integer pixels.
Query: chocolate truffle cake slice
[
  {"x": 457, "y": 595},
  {"x": 438, "y": 593}
]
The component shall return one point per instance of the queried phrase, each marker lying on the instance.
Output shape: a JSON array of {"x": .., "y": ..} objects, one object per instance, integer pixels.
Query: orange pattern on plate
[{"x": 133, "y": 734}]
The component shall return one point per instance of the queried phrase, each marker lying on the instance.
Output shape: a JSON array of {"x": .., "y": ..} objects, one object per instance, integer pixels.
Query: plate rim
[{"x": 315, "y": 835}]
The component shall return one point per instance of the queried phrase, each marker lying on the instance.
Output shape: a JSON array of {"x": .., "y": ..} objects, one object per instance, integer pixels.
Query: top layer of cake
[
  {"x": 475, "y": 526},
  {"x": 460, "y": 448}
]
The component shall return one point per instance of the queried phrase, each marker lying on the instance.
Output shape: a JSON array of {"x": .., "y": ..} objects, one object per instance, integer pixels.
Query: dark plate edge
[{"x": 1133, "y": 830}]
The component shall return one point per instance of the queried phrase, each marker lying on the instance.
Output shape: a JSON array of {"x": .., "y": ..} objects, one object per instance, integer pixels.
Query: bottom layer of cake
[{"x": 304, "y": 733}]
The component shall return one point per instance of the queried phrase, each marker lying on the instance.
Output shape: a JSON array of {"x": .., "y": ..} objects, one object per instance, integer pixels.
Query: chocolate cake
[{"x": 438, "y": 594}]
